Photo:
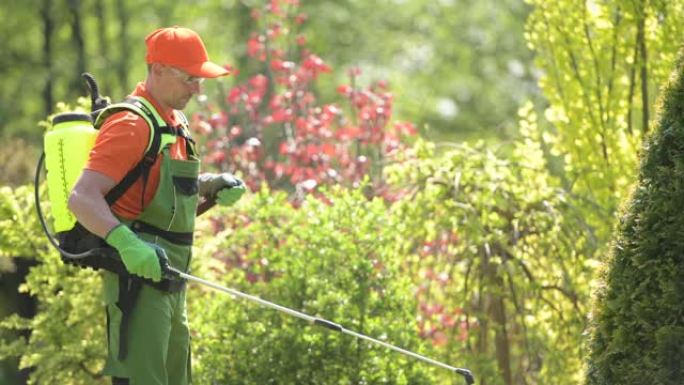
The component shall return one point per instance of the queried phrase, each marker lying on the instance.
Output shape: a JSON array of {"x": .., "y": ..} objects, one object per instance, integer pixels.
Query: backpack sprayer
[{"x": 67, "y": 146}]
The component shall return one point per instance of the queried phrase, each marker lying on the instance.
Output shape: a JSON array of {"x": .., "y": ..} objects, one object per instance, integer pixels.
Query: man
[{"x": 153, "y": 218}]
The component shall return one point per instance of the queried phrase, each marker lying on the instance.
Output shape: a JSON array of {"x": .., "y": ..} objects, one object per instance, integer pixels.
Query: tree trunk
[
  {"x": 641, "y": 40},
  {"x": 79, "y": 42},
  {"x": 632, "y": 86},
  {"x": 496, "y": 313},
  {"x": 101, "y": 32},
  {"x": 124, "y": 48},
  {"x": 48, "y": 30}
]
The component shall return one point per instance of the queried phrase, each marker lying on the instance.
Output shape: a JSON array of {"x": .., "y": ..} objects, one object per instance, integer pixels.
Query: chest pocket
[{"x": 186, "y": 185}]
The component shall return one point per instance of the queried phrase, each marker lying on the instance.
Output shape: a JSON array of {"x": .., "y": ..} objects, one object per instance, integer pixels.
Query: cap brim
[{"x": 207, "y": 70}]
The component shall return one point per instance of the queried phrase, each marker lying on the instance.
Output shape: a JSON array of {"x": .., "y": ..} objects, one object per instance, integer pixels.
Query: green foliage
[
  {"x": 337, "y": 261},
  {"x": 519, "y": 265},
  {"x": 458, "y": 66},
  {"x": 65, "y": 344},
  {"x": 603, "y": 63},
  {"x": 481, "y": 262},
  {"x": 19, "y": 157},
  {"x": 637, "y": 321},
  {"x": 21, "y": 236}
]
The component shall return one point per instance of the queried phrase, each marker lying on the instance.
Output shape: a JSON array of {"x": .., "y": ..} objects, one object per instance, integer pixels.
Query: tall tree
[
  {"x": 124, "y": 45},
  {"x": 603, "y": 64},
  {"x": 599, "y": 84},
  {"x": 48, "y": 31},
  {"x": 78, "y": 40},
  {"x": 102, "y": 40}
]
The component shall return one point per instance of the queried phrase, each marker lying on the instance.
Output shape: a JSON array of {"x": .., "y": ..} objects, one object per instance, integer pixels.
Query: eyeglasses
[{"x": 187, "y": 79}]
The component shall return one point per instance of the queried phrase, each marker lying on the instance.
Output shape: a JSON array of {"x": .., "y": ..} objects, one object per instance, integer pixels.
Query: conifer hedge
[{"x": 637, "y": 334}]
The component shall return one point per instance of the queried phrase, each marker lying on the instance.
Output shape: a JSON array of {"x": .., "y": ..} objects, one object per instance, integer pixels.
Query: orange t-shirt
[{"x": 121, "y": 144}]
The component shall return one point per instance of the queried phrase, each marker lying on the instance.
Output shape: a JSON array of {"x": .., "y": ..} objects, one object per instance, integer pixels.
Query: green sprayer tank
[{"x": 67, "y": 145}]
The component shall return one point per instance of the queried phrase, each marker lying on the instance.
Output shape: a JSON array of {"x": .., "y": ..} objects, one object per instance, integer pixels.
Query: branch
[
  {"x": 632, "y": 83},
  {"x": 613, "y": 59},
  {"x": 578, "y": 76},
  {"x": 641, "y": 40},
  {"x": 572, "y": 296}
]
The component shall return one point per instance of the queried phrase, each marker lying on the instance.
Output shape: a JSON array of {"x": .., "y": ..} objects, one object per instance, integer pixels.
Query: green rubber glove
[
  {"x": 228, "y": 196},
  {"x": 139, "y": 257},
  {"x": 210, "y": 184},
  {"x": 225, "y": 188}
]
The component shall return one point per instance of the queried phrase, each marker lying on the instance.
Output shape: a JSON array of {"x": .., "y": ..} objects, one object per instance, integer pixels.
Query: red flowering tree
[{"x": 272, "y": 128}]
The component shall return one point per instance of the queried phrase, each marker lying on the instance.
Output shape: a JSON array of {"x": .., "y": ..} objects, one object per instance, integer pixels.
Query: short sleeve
[{"x": 120, "y": 145}]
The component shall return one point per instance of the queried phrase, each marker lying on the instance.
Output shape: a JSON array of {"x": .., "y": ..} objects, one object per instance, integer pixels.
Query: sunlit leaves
[
  {"x": 496, "y": 246},
  {"x": 603, "y": 63}
]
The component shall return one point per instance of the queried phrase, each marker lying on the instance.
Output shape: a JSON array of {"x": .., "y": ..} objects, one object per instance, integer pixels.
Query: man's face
[{"x": 178, "y": 87}]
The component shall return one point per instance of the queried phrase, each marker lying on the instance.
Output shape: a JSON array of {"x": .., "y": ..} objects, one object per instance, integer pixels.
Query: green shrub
[
  {"x": 638, "y": 317},
  {"x": 66, "y": 344},
  {"x": 336, "y": 261},
  {"x": 501, "y": 258},
  {"x": 480, "y": 262}
]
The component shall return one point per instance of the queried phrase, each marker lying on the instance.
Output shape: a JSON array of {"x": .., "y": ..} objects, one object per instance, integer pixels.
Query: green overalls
[{"x": 147, "y": 328}]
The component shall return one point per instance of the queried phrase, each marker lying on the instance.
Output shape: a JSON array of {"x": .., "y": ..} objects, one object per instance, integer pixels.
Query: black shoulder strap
[{"x": 142, "y": 169}]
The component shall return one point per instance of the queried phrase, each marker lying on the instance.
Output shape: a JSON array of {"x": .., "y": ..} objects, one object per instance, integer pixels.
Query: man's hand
[
  {"x": 140, "y": 257},
  {"x": 228, "y": 196},
  {"x": 226, "y": 189}
]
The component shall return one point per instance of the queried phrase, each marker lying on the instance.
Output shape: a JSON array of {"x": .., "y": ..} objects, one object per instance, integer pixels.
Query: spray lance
[
  {"x": 110, "y": 260},
  {"x": 173, "y": 273}
]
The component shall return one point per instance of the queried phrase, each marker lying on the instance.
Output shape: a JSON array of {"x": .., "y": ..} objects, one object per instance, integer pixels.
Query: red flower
[
  {"x": 259, "y": 82},
  {"x": 286, "y": 148},
  {"x": 255, "y": 46},
  {"x": 344, "y": 89},
  {"x": 354, "y": 72},
  {"x": 350, "y": 132},
  {"x": 315, "y": 64},
  {"x": 234, "y": 95},
  {"x": 328, "y": 149},
  {"x": 301, "y": 18},
  {"x": 281, "y": 115},
  {"x": 405, "y": 128},
  {"x": 235, "y": 131},
  {"x": 281, "y": 65},
  {"x": 216, "y": 157},
  {"x": 218, "y": 120}
]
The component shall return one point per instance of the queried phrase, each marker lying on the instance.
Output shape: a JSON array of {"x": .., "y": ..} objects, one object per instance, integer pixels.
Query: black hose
[
  {"x": 36, "y": 184},
  {"x": 92, "y": 86},
  {"x": 97, "y": 102}
]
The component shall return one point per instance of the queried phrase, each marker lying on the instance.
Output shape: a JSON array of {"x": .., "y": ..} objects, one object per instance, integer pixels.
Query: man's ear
[{"x": 156, "y": 68}]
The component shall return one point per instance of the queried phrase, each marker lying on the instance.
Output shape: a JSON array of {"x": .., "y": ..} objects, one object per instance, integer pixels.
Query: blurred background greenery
[{"x": 459, "y": 69}]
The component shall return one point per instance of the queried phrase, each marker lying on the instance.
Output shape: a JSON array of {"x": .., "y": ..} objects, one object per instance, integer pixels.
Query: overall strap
[
  {"x": 184, "y": 131},
  {"x": 160, "y": 135},
  {"x": 129, "y": 291}
]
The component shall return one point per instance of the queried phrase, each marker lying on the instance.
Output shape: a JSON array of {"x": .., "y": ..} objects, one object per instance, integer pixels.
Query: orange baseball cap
[{"x": 182, "y": 48}]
